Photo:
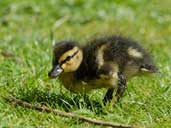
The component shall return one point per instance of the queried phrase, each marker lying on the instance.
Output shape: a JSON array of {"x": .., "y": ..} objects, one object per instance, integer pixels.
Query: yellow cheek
[
  {"x": 68, "y": 63},
  {"x": 67, "y": 67},
  {"x": 77, "y": 57},
  {"x": 63, "y": 66}
]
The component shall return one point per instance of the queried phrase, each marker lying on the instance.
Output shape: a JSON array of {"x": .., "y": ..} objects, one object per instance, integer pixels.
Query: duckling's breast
[{"x": 71, "y": 83}]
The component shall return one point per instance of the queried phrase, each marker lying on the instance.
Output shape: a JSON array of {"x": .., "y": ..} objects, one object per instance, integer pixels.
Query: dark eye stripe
[{"x": 69, "y": 57}]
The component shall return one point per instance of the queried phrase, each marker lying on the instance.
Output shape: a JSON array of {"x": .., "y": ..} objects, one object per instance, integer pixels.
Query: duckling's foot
[{"x": 121, "y": 86}]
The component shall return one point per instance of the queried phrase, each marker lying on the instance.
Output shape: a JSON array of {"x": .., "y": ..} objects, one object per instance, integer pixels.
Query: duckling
[{"x": 106, "y": 62}]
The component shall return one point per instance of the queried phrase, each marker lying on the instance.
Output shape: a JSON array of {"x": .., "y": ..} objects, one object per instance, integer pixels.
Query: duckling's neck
[{"x": 88, "y": 66}]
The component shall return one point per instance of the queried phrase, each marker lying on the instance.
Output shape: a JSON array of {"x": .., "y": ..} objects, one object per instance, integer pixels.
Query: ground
[{"x": 27, "y": 29}]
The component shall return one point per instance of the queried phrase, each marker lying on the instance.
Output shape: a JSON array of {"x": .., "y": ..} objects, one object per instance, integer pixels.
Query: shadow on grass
[{"x": 66, "y": 102}]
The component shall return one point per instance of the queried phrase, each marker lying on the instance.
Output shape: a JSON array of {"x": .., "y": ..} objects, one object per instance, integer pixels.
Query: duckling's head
[{"x": 67, "y": 57}]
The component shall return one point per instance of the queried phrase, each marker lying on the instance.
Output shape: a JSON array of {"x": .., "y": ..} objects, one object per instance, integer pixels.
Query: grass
[{"x": 25, "y": 33}]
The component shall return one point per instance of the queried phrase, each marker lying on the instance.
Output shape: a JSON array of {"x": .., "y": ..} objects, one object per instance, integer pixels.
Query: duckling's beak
[
  {"x": 56, "y": 70},
  {"x": 149, "y": 68}
]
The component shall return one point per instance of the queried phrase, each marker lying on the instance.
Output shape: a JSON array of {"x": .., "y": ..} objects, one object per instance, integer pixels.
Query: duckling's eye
[{"x": 68, "y": 58}]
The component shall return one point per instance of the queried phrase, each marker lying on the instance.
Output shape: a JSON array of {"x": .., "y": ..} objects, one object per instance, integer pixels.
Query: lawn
[{"x": 27, "y": 28}]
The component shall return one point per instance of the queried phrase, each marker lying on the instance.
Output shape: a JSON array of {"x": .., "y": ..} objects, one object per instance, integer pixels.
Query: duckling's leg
[
  {"x": 121, "y": 86},
  {"x": 108, "y": 96},
  {"x": 119, "y": 92}
]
